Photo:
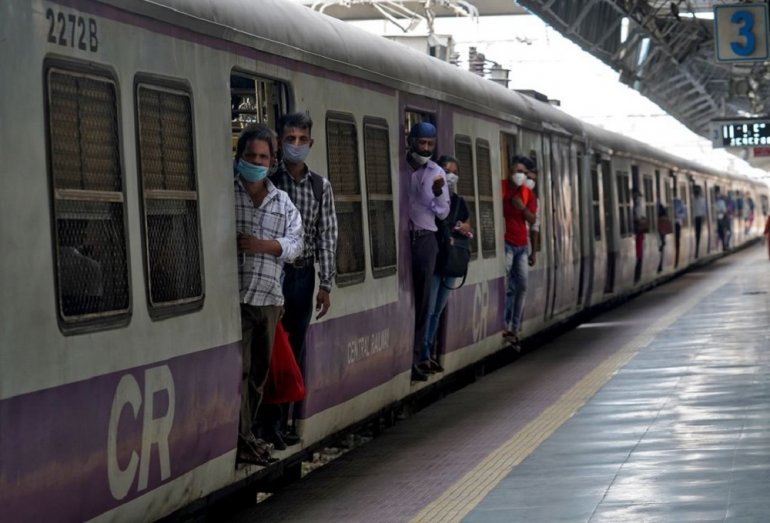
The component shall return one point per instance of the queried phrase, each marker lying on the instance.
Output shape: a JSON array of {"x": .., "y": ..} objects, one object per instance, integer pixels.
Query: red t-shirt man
[{"x": 515, "y": 221}]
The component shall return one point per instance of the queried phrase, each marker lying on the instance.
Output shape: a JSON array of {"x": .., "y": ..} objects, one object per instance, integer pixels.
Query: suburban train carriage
[
  {"x": 120, "y": 358},
  {"x": 119, "y": 352}
]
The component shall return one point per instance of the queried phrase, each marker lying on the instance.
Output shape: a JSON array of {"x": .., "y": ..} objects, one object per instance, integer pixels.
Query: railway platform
[{"x": 658, "y": 410}]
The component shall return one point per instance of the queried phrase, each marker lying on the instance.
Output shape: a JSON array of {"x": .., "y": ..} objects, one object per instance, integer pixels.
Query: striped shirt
[
  {"x": 259, "y": 275},
  {"x": 320, "y": 221}
]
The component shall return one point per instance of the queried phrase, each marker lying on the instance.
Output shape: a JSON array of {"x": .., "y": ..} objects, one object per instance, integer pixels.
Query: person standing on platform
[
  {"x": 269, "y": 234},
  {"x": 519, "y": 209},
  {"x": 312, "y": 194},
  {"x": 428, "y": 200},
  {"x": 441, "y": 285},
  {"x": 699, "y": 215}
]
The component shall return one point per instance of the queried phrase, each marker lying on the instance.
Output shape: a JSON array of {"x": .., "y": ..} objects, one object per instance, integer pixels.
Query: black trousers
[
  {"x": 424, "y": 252},
  {"x": 698, "y": 226}
]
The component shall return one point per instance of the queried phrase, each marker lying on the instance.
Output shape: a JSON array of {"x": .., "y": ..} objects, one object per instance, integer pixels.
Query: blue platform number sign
[{"x": 741, "y": 32}]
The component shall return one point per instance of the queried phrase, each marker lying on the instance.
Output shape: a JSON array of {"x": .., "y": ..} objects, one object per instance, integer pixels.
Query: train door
[
  {"x": 609, "y": 226},
  {"x": 562, "y": 270},
  {"x": 532, "y": 144},
  {"x": 583, "y": 223}
]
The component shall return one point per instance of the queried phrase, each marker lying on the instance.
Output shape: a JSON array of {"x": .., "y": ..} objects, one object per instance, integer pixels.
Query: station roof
[{"x": 664, "y": 49}]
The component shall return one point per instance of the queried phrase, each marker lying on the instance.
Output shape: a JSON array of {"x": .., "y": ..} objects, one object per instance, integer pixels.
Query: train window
[
  {"x": 342, "y": 154},
  {"x": 465, "y": 185},
  {"x": 649, "y": 204},
  {"x": 486, "y": 200},
  {"x": 625, "y": 211},
  {"x": 172, "y": 251},
  {"x": 596, "y": 198},
  {"x": 256, "y": 100},
  {"x": 88, "y": 200},
  {"x": 379, "y": 197}
]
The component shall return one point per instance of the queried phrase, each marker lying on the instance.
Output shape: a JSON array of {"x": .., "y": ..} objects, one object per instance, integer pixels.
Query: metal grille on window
[
  {"x": 466, "y": 186},
  {"x": 342, "y": 152},
  {"x": 382, "y": 234},
  {"x": 172, "y": 232},
  {"x": 486, "y": 200},
  {"x": 90, "y": 242}
]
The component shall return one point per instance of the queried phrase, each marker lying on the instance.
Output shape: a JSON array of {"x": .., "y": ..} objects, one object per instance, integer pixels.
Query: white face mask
[
  {"x": 451, "y": 180},
  {"x": 519, "y": 178},
  {"x": 420, "y": 159},
  {"x": 530, "y": 183}
]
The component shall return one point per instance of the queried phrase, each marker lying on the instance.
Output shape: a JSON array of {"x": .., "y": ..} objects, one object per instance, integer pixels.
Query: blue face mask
[
  {"x": 295, "y": 153},
  {"x": 251, "y": 172}
]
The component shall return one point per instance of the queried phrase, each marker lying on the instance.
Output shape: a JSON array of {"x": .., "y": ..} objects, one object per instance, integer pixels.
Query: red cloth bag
[{"x": 284, "y": 380}]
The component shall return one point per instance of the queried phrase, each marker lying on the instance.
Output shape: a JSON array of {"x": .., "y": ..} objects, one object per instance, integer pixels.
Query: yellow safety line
[{"x": 467, "y": 492}]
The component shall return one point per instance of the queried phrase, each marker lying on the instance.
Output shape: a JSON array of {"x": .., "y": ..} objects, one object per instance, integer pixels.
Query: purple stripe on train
[
  {"x": 72, "y": 452},
  {"x": 351, "y": 355}
]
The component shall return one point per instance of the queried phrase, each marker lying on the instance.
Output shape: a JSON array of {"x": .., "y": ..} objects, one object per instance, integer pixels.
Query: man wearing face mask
[
  {"x": 428, "y": 200},
  {"x": 458, "y": 221},
  {"x": 270, "y": 233},
  {"x": 312, "y": 194},
  {"x": 519, "y": 209}
]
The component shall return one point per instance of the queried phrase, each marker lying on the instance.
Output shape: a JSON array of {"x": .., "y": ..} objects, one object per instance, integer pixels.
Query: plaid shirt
[
  {"x": 320, "y": 221},
  {"x": 259, "y": 275}
]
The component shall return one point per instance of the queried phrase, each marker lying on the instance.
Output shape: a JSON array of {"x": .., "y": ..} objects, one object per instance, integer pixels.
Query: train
[{"x": 119, "y": 346}]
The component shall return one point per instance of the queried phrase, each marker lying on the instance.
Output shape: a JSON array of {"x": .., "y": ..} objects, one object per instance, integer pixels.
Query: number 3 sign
[{"x": 741, "y": 32}]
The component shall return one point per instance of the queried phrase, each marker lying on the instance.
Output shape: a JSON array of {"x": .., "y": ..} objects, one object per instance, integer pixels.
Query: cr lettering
[{"x": 155, "y": 430}]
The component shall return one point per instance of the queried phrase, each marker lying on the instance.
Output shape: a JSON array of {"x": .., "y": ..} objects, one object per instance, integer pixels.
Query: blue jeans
[
  {"x": 516, "y": 272},
  {"x": 439, "y": 295}
]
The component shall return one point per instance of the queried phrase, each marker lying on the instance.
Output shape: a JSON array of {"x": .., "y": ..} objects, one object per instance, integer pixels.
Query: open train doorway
[{"x": 609, "y": 229}]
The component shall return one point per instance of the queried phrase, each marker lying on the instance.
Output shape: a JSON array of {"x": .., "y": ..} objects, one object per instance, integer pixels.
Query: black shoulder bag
[{"x": 457, "y": 253}]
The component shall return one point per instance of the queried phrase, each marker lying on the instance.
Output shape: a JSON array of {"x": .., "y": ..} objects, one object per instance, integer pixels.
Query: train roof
[{"x": 296, "y": 32}]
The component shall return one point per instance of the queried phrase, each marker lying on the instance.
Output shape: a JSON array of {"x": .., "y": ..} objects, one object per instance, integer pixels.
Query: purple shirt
[{"x": 424, "y": 207}]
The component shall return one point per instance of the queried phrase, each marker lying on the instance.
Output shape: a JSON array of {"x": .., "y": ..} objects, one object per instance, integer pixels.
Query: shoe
[
  {"x": 425, "y": 367},
  {"x": 254, "y": 453},
  {"x": 273, "y": 436},
  {"x": 435, "y": 365},
  {"x": 290, "y": 438},
  {"x": 418, "y": 375}
]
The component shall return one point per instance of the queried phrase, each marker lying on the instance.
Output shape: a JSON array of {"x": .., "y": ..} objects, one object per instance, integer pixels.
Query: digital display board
[{"x": 740, "y": 133}]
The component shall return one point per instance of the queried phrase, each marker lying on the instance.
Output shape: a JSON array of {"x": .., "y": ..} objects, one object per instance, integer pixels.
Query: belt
[
  {"x": 416, "y": 233},
  {"x": 301, "y": 263}
]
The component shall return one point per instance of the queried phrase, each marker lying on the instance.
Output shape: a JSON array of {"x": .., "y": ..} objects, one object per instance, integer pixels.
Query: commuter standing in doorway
[
  {"x": 640, "y": 229},
  {"x": 269, "y": 234},
  {"x": 428, "y": 200},
  {"x": 457, "y": 222},
  {"x": 312, "y": 194},
  {"x": 699, "y": 215},
  {"x": 519, "y": 209}
]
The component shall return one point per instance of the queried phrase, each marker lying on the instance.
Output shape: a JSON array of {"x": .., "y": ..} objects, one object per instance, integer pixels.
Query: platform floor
[{"x": 658, "y": 410}]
